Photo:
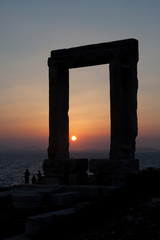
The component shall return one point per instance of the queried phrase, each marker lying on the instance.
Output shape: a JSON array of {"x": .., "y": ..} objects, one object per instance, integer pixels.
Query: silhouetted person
[
  {"x": 26, "y": 176},
  {"x": 33, "y": 179},
  {"x": 39, "y": 175}
]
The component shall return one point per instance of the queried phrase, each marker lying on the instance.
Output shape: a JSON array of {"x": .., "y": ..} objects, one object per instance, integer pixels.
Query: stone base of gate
[
  {"x": 111, "y": 172},
  {"x": 66, "y": 171}
]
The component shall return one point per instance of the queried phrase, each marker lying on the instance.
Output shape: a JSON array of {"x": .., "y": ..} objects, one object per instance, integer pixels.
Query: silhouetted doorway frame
[{"x": 122, "y": 57}]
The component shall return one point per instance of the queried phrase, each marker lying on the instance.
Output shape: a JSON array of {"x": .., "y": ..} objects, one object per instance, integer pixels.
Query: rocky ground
[
  {"x": 141, "y": 221},
  {"x": 131, "y": 213},
  {"x": 135, "y": 217}
]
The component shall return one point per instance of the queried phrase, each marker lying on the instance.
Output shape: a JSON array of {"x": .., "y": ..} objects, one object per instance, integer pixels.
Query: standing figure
[
  {"x": 33, "y": 179},
  {"x": 26, "y": 176},
  {"x": 39, "y": 175}
]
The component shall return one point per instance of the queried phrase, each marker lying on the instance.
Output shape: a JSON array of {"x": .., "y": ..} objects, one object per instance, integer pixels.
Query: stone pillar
[
  {"x": 123, "y": 94},
  {"x": 58, "y": 113}
]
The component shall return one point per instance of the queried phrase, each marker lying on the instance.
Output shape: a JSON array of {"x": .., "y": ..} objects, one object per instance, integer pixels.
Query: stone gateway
[{"x": 122, "y": 57}]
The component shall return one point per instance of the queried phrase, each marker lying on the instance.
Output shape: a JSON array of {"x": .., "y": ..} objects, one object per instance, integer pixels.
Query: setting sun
[{"x": 74, "y": 138}]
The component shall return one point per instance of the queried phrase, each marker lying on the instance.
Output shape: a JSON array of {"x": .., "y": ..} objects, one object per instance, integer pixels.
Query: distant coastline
[{"x": 38, "y": 148}]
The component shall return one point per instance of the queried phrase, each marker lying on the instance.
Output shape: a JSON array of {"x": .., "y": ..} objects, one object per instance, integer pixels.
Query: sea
[{"x": 14, "y": 163}]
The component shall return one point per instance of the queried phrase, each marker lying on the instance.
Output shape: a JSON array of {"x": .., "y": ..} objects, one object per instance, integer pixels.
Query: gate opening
[{"x": 89, "y": 109}]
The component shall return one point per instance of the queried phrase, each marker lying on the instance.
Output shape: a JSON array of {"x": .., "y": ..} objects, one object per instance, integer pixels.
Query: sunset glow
[
  {"x": 74, "y": 138},
  {"x": 30, "y": 30}
]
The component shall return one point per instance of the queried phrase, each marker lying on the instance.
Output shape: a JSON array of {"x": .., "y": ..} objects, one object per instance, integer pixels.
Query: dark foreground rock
[
  {"x": 84, "y": 212},
  {"x": 141, "y": 221}
]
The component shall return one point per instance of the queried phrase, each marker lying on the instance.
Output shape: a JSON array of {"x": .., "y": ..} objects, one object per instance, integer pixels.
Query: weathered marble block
[
  {"x": 26, "y": 201},
  {"x": 66, "y": 171},
  {"x": 66, "y": 165},
  {"x": 64, "y": 199},
  {"x": 40, "y": 223},
  {"x": 105, "y": 165},
  {"x": 111, "y": 172}
]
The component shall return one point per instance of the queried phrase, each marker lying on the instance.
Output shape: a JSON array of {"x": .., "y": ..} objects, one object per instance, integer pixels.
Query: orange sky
[
  {"x": 31, "y": 29},
  {"x": 26, "y": 122}
]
